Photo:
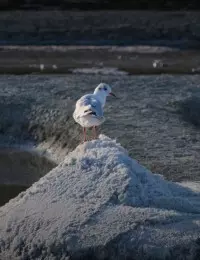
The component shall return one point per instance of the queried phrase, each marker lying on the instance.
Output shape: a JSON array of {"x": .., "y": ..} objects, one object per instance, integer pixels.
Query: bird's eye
[{"x": 105, "y": 88}]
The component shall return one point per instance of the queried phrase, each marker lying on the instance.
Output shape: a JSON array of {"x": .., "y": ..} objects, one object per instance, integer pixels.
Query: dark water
[
  {"x": 8, "y": 192},
  {"x": 18, "y": 170}
]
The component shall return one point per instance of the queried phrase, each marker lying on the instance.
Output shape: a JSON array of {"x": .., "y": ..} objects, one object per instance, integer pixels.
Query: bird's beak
[{"x": 112, "y": 94}]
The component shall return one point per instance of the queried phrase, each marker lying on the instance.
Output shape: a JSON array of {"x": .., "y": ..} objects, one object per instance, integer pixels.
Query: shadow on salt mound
[{"x": 122, "y": 180}]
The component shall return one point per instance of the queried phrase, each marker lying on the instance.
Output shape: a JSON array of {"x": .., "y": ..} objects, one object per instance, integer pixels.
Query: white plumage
[
  {"x": 89, "y": 111},
  {"x": 89, "y": 108}
]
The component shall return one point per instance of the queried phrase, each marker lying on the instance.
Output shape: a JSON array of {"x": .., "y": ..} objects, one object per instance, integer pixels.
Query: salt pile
[{"x": 101, "y": 203}]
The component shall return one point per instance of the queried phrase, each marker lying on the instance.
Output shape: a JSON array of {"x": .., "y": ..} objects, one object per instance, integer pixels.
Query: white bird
[{"x": 89, "y": 109}]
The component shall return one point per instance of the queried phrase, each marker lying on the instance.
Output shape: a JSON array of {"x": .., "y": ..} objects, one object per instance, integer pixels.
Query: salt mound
[
  {"x": 132, "y": 184},
  {"x": 101, "y": 203}
]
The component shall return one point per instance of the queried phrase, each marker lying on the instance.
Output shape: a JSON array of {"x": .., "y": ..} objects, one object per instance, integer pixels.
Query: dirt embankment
[{"x": 100, "y": 28}]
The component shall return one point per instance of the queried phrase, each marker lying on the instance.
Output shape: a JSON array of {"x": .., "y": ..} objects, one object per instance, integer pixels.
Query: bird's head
[{"x": 102, "y": 91}]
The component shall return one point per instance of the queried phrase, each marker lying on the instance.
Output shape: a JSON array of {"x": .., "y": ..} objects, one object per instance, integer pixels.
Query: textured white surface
[{"x": 100, "y": 202}]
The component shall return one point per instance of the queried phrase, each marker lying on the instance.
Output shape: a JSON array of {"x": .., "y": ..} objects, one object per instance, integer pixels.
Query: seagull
[{"x": 89, "y": 109}]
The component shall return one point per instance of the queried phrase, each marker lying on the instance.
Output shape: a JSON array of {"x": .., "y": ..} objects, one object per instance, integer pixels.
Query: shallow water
[
  {"x": 8, "y": 192},
  {"x": 18, "y": 170},
  {"x": 21, "y": 167}
]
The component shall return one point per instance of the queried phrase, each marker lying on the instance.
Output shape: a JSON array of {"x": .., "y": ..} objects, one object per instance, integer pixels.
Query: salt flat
[{"x": 145, "y": 118}]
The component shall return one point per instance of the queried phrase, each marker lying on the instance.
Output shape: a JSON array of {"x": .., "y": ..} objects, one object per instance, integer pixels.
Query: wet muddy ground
[{"x": 130, "y": 59}]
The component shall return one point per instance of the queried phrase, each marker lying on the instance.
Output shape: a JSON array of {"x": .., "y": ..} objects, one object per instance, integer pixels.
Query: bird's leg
[
  {"x": 94, "y": 132},
  {"x": 84, "y": 134},
  {"x": 91, "y": 134}
]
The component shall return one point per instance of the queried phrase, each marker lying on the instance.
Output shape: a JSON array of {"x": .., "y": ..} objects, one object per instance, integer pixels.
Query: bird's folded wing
[
  {"x": 88, "y": 104},
  {"x": 87, "y": 100}
]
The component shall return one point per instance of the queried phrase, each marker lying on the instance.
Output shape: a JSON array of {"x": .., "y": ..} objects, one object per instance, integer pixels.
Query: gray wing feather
[{"x": 88, "y": 102}]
